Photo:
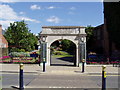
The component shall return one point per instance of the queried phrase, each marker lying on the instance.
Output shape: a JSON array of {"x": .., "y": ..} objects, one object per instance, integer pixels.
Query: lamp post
[
  {"x": 43, "y": 50},
  {"x": 82, "y": 44},
  {"x": 43, "y": 38}
]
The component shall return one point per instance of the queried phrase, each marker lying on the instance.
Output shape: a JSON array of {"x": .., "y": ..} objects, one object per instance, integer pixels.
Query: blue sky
[{"x": 38, "y": 14}]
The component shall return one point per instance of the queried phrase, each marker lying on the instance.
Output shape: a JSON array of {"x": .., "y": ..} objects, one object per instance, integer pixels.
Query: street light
[
  {"x": 43, "y": 50},
  {"x": 82, "y": 42},
  {"x": 82, "y": 39},
  {"x": 44, "y": 38}
]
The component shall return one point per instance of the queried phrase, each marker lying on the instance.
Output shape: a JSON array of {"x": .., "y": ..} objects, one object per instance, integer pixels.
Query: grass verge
[{"x": 59, "y": 56}]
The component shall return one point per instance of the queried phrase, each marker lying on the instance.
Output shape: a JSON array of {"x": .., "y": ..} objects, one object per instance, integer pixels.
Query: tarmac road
[{"x": 37, "y": 80}]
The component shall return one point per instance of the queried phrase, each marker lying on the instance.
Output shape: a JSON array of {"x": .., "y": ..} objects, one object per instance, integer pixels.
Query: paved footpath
[{"x": 35, "y": 68}]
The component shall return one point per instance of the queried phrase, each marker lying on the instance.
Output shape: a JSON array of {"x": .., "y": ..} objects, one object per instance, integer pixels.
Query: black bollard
[
  {"x": 43, "y": 64},
  {"x": 83, "y": 65},
  {"x": 113, "y": 64},
  {"x": 21, "y": 78},
  {"x": 103, "y": 78},
  {"x": 39, "y": 60}
]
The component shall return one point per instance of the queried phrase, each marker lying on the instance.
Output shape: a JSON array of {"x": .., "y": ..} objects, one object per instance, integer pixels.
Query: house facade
[{"x": 3, "y": 41}]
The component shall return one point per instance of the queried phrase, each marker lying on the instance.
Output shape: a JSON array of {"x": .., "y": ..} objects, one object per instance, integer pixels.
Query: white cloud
[
  {"x": 53, "y": 19},
  {"x": 5, "y": 23},
  {"x": 51, "y": 7},
  {"x": 58, "y": 0},
  {"x": 6, "y": 12},
  {"x": 21, "y": 13},
  {"x": 29, "y": 19},
  {"x": 72, "y": 8},
  {"x": 35, "y": 7},
  {"x": 8, "y": 15},
  {"x": 8, "y": 1}
]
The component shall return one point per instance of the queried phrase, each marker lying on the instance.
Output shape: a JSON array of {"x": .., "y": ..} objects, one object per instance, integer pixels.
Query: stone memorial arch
[{"x": 76, "y": 34}]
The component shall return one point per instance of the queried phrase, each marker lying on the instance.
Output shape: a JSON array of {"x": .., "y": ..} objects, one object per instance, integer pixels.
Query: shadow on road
[
  {"x": 63, "y": 61},
  {"x": 67, "y": 59},
  {"x": 62, "y": 65}
]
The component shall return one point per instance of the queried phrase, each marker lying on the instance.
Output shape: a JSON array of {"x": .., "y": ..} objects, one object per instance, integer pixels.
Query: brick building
[
  {"x": 99, "y": 39},
  {"x": 107, "y": 34},
  {"x": 112, "y": 24},
  {"x": 102, "y": 41},
  {"x": 3, "y": 44},
  {"x": 3, "y": 41}
]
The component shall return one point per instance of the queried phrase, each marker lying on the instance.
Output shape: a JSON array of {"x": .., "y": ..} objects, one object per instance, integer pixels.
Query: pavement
[
  {"x": 35, "y": 68},
  {"x": 61, "y": 66}
]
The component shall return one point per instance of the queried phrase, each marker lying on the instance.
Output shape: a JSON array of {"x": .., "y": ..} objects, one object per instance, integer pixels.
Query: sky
[{"x": 38, "y": 14}]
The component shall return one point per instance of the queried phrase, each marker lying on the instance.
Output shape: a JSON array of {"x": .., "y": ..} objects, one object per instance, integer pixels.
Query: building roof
[{"x": 100, "y": 26}]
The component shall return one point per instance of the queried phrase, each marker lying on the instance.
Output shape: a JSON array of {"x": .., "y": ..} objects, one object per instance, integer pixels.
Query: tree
[
  {"x": 89, "y": 31},
  {"x": 90, "y": 37},
  {"x": 19, "y": 37},
  {"x": 68, "y": 46}
]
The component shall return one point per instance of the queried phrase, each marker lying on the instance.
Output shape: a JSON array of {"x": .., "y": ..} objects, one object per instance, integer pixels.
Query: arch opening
[{"x": 63, "y": 53}]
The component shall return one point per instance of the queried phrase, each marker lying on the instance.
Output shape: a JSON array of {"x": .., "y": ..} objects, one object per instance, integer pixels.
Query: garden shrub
[
  {"x": 22, "y": 50},
  {"x": 18, "y": 54}
]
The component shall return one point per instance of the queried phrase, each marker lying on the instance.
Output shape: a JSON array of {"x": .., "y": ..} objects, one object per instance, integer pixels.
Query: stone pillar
[
  {"x": 77, "y": 56},
  {"x": 48, "y": 56},
  {"x": 82, "y": 49},
  {"x": 79, "y": 53},
  {"x": 85, "y": 51}
]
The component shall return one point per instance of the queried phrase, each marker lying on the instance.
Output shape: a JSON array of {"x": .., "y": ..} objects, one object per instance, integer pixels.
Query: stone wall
[{"x": 3, "y": 52}]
